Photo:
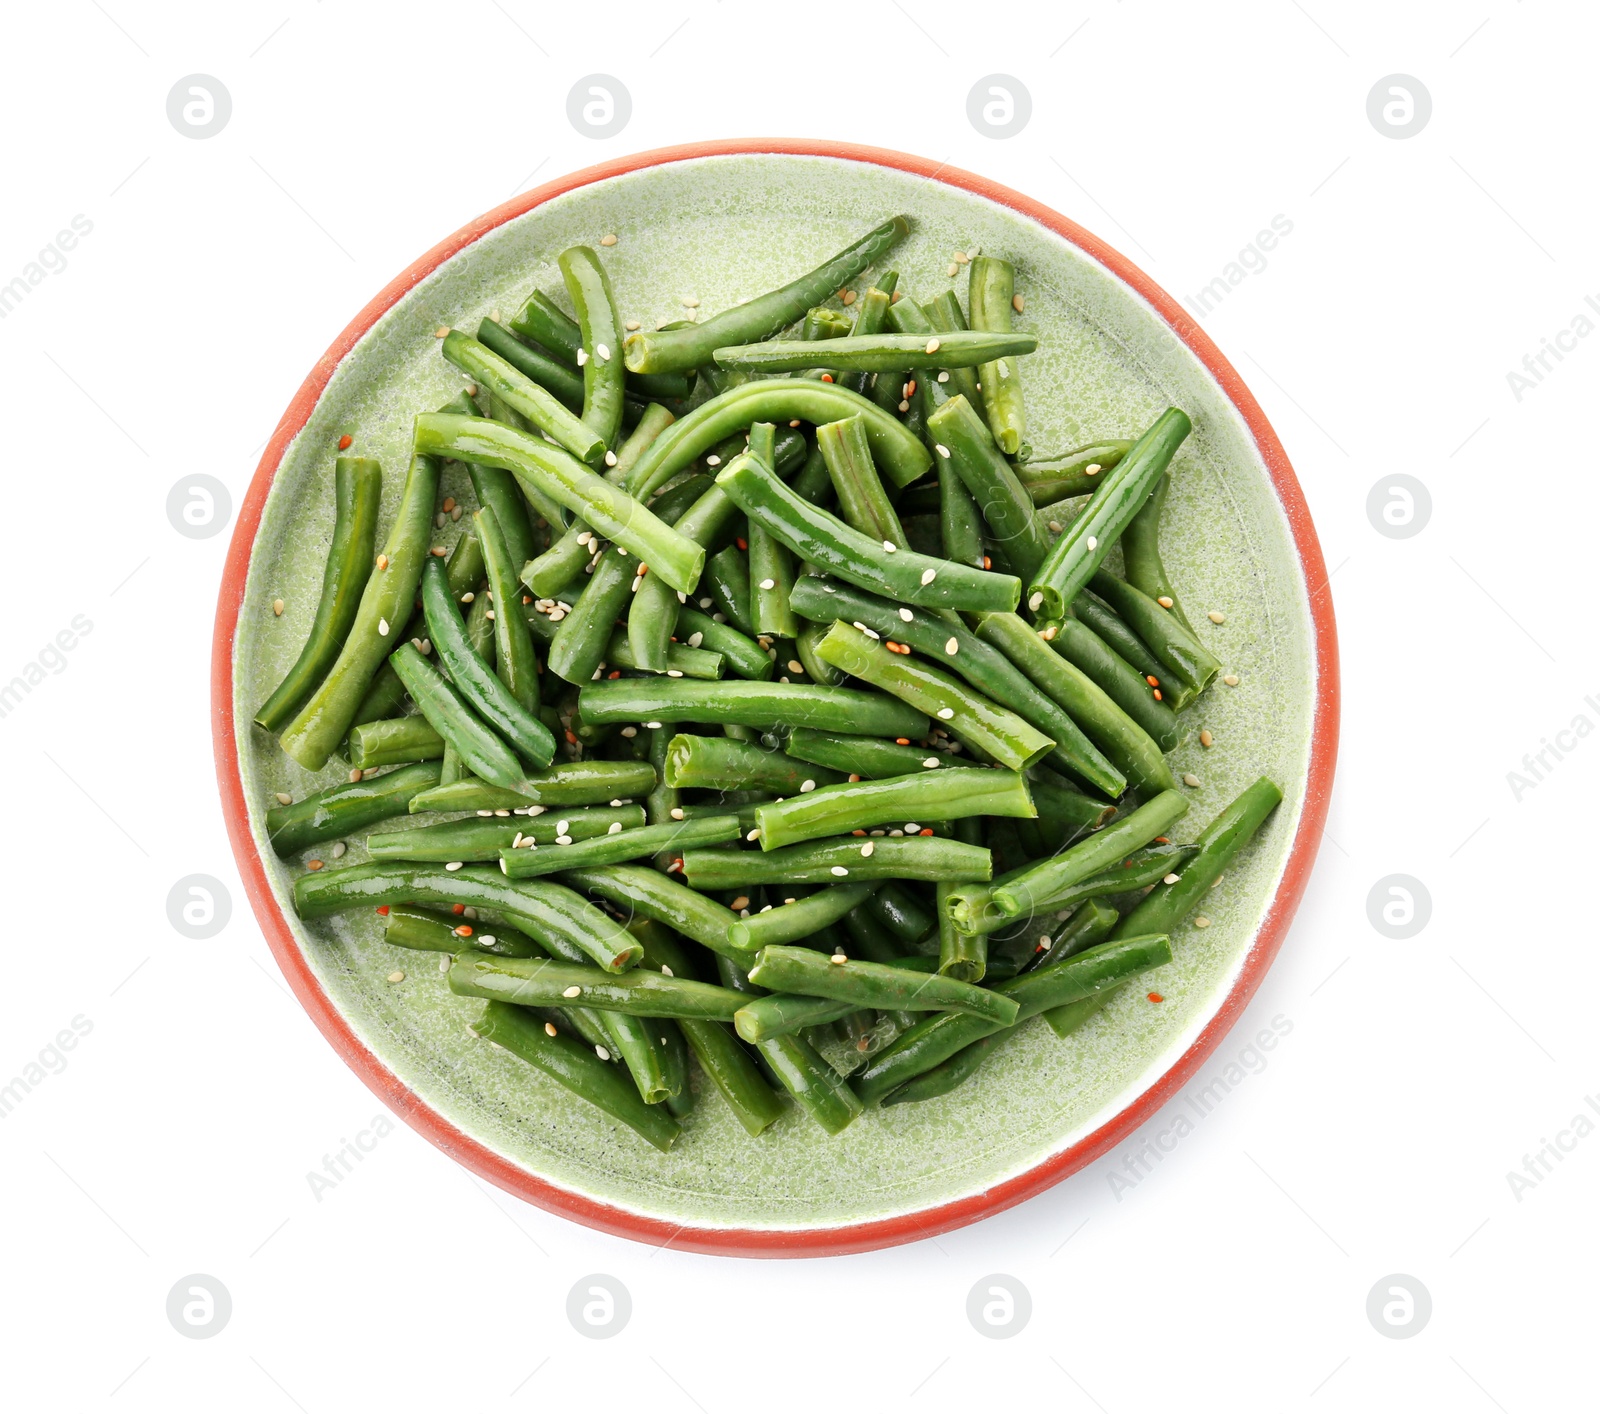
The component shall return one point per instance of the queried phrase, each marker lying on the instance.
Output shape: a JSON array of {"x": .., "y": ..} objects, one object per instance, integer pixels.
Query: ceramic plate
[{"x": 722, "y": 222}]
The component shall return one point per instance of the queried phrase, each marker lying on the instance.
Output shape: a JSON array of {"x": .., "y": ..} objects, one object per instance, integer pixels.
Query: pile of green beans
[{"x": 682, "y": 755}]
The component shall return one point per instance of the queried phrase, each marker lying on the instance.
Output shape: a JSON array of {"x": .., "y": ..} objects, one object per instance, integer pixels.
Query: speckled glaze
[{"x": 722, "y": 228}]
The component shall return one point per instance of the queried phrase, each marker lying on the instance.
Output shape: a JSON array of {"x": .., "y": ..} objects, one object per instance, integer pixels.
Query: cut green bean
[
  {"x": 877, "y": 353},
  {"x": 573, "y": 1064},
  {"x": 515, "y": 664},
  {"x": 960, "y": 527},
  {"x": 751, "y": 704},
  {"x": 584, "y": 635},
  {"x": 677, "y": 350},
  {"x": 872, "y": 984},
  {"x": 481, "y": 841},
  {"x": 771, "y": 579},
  {"x": 357, "y": 488},
  {"x": 649, "y": 893},
  {"x": 1079, "y": 550},
  {"x": 819, "y": 670},
  {"x": 545, "y": 322},
  {"x": 1064, "y": 811},
  {"x": 814, "y": 1084},
  {"x": 718, "y": 763},
  {"x": 386, "y": 604},
  {"x": 1140, "y": 870},
  {"x": 962, "y": 955},
  {"x": 801, "y": 919},
  {"x": 1141, "y": 552},
  {"x": 558, "y": 376},
  {"x": 556, "y": 917},
  {"x": 740, "y": 654},
  {"x": 614, "y": 513},
  {"x": 830, "y": 861},
  {"x": 1088, "y": 925},
  {"x": 961, "y": 438},
  {"x": 524, "y": 397},
  {"x": 1113, "y": 675},
  {"x": 565, "y": 783},
  {"x": 346, "y": 808},
  {"x": 863, "y": 756},
  {"x": 985, "y": 726},
  {"x": 897, "y": 452},
  {"x": 600, "y": 353},
  {"x": 1093, "y": 611},
  {"x": 481, "y": 751},
  {"x": 936, "y": 795},
  {"x": 406, "y": 926},
  {"x": 395, "y": 741},
  {"x": 728, "y": 578},
  {"x": 827, "y": 542},
  {"x": 1187, "y": 666},
  {"x": 1075, "y": 473},
  {"x": 537, "y": 981},
  {"x": 618, "y": 847},
  {"x": 945, "y": 1076},
  {"x": 680, "y": 660},
  {"x": 991, "y": 286},
  {"x": 863, "y": 503}
]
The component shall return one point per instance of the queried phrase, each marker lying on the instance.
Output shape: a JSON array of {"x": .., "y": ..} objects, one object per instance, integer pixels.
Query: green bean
[
  {"x": 346, "y": 808},
  {"x": 1088, "y": 925},
  {"x": 872, "y": 317},
  {"x": 676, "y": 350},
  {"x": 1187, "y": 667},
  {"x": 480, "y": 628},
  {"x": 613, "y": 512},
  {"x": 479, "y": 840},
  {"x": 385, "y": 604},
  {"x": 984, "y": 725},
  {"x": 877, "y": 353},
  {"x": 740, "y": 654},
  {"x": 545, "y": 322},
  {"x": 649, "y": 893},
  {"x": 686, "y": 492},
  {"x": 1078, "y": 552},
  {"x": 526, "y": 398},
  {"x": 962, "y": 955},
  {"x": 515, "y": 664},
  {"x": 1219, "y": 843},
  {"x": 772, "y": 577},
  {"x": 764, "y": 1016},
  {"x": 565, "y": 783},
  {"x": 482, "y": 689},
  {"x": 937, "y": 795},
  {"x": 900, "y": 456},
  {"x": 497, "y": 491},
  {"x": 814, "y": 1084},
  {"x": 1102, "y": 620},
  {"x": 1058, "y": 478},
  {"x": 813, "y": 483},
  {"x": 960, "y": 534},
  {"x": 984, "y": 666},
  {"x": 718, "y": 763},
  {"x": 991, "y": 286},
  {"x": 728, "y": 578},
  {"x": 556, "y": 376},
  {"x": 946, "y": 1076},
  {"x": 819, "y": 670},
  {"x": 618, "y": 847},
  {"x": 556, "y": 917},
  {"x": 903, "y": 914},
  {"x": 394, "y": 741},
  {"x": 584, "y": 635},
  {"x": 962, "y": 439},
  {"x": 1129, "y": 747},
  {"x": 357, "y": 489},
  {"x": 1065, "y": 812},
  {"x": 829, "y": 543},
  {"x": 565, "y": 559},
  {"x": 536, "y": 981},
  {"x": 1043, "y": 885},
  {"x": 1141, "y": 869},
  {"x": 945, "y": 316},
  {"x": 752, "y": 704},
  {"x": 680, "y": 661},
  {"x": 600, "y": 353},
  {"x": 936, "y": 1038},
  {"x": 574, "y": 1065},
  {"x": 863, "y": 503},
  {"x": 828, "y": 861},
  {"x": 1113, "y": 675},
  {"x": 423, "y": 930},
  {"x": 481, "y": 751},
  {"x": 800, "y": 919},
  {"x": 862, "y": 756},
  {"x": 872, "y": 984}
]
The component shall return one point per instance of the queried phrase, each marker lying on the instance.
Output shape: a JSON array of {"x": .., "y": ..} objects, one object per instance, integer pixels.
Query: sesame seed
[
  {"x": 486, "y": 812},
  {"x": 1055, "y": 527},
  {"x": 740, "y": 902},
  {"x": 502, "y": 813},
  {"x": 439, "y": 520},
  {"x": 676, "y": 812},
  {"x": 944, "y": 377},
  {"x": 630, "y": 732},
  {"x": 563, "y": 839},
  {"x": 354, "y": 776},
  {"x": 615, "y": 828},
  {"x": 1094, "y": 544},
  {"x": 611, "y": 458},
  {"x": 753, "y": 836},
  {"x": 954, "y": 270},
  {"x": 454, "y": 866},
  {"x": 1034, "y": 600},
  {"x": 867, "y": 848},
  {"x": 338, "y": 849},
  {"x": 608, "y": 239},
  {"x": 1165, "y": 600},
  {"x": 838, "y": 871},
  {"x": 441, "y": 331},
  {"x": 1093, "y": 469},
  {"x": 456, "y": 513},
  {"x": 1201, "y": 921},
  {"x": 1190, "y": 779},
  {"x": 690, "y": 302},
  {"x": 383, "y": 627},
  {"x": 705, "y": 603},
  {"x": 713, "y": 460},
  {"x": 913, "y": 828},
  {"x": 1016, "y": 303},
  {"x": 946, "y": 713},
  {"x": 932, "y": 346},
  {"x": 929, "y": 575},
  {"x": 654, "y": 726},
  {"x": 468, "y": 597},
  {"x": 890, "y": 546},
  {"x": 768, "y": 583},
  {"x": 632, "y": 324},
  {"x": 444, "y": 963},
  {"x": 905, "y": 405},
  {"x": 952, "y": 646},
  {"x": 696, "y": 639},
  {"x": 397, "y": 976},
  {"x": 284, "y": 798},
  {"x": 1217, "y": 616},
  {"x": 796, "y": 666},
  {"x": 674, "y": 672},
  {"x": 1206, "y": 738},
  {"x": 572, "y": 992},
  {"x": 1232, "y": 679},
  {"x": 907, "y": 615},
  {"x": 549, "y": 1028},
  {"x": 931, "y": 762},
  {"x": 838, "y": 958},
  {"x": 1170, "y": 879}
]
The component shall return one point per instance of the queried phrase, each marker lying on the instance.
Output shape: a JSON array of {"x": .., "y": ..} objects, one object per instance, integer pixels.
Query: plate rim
[{"x": 824, "y": 1240}]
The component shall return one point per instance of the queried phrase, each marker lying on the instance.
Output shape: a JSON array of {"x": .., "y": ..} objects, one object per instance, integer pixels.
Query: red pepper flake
[
  {"x": 986, "y": 563},
  {"x": 464, "y": 931},
  {"x": 1161, "y": 839},
  {"x": 383, "y": 910},
  {"x": 345, "y": 441},
  {"x": 614, "y": 674},
  {"x": 741, "y": 542},
  {"x": 1127, "y": 864},
  {"x": 1156, "y": 693},
  {"x": 1154, "y": 682},
  {"x": 902, "y": 741},
  {"x": 858, "y": 832},
  {"x": 927, "y": 832},
  {"x": 1041, "y": 947},
  {"x": 1155, "y": 996},
  {"x": 458, "y": 908},
  {"x": 572, "y": 740},
  {"x": 827, "y": 377},
  {"x": 313, "y": 864}
]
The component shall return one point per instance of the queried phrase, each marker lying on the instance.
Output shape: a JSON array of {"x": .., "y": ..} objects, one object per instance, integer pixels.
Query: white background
[{"x": 1378, "y": 1138}]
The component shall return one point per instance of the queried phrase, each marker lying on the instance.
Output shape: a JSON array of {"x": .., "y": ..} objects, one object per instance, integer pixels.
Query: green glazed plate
[{"x": 720, "y": 223}]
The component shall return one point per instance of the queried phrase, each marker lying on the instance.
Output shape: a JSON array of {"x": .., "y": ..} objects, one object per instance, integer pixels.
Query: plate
[{"x": 720, "y": 222}]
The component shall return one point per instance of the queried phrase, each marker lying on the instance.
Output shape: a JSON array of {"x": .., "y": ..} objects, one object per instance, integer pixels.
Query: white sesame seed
[
  {"x": 277, "y": 606},
  {"x": 946, "y": 713},
  {"x": 807, "y": 785},
  {"x": 602, "y": 352},
  {"x": 1093, "y": 543},
  {"x": 894, "y": 834},
  {"x": 931, "y": 762},
  {"x": 838, "y": 871},
  {"x": 502, "y": 813},
  {"x": 1170, "y": 879},
  {"x": 355, "y": 775},
  {"x": 611, "y": 458},
  {"x": 905, "y": 405},
  {"x": 454, "y": 866},
  {"x": 753, "y": 836},
  {"x": 943, "y": 450},
  {"x": 838, "y": 958},
  {"x": 1055, "y": 527},
  {"x": 1190, "y": 779},
  {"x": 654, "y": 726},
  {"x": 439, "y": 520},
  {"x": 573, "y": 992},
  {"x": 913, "y": 828},
  {"x": 563, "y": 839},
  {"x": 1165, "y": 600},
  {"x": 690, "y": 302},
  {"x": 928, "y": 576},
  {"x": 630, "y": 732},
  {"x": 284, "y": 798},
  {"x": 890, "y": 546},
  {"x": 383, "y": 627},
  {"x": 713, "y": 460},
  {"x": 1217, "y": 616},
  {"x": 944, "y": 377},
  {"x": 768, "y": 583},
  {"x": 486, "y": 812},
  {"x": 1093, "y": 469},
  {"x": 609, "y": 239},
  {"x": 444, "y": 963},
  {"x": 615, "y": 828},
  {"x": 676, "y": 812},
  {"x": 1201, "y": 921},
  {"x": 954, "y": 270},
  {"x": 866, "y": 849},
  {"x": 705, "y": 603},
  {"x": 796, "y": 666},
  {"x": 1016, "y": 303},
  {"x": 1232, "y": 679},
  {"x": 337, "y": 852},
  {"x": 397, "y": 976},
  {"x": 583, "y": 357},
  {"x": 907, "y": 615},
  {"x": 468, "y": 597},
  {"x": 674, "y": 672},
  {"x": 682, "y": 597},
  {"x": 696, "y": 639},
  {"x": 666, "y": 971},
  {"x": 952, "y": 646}
]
